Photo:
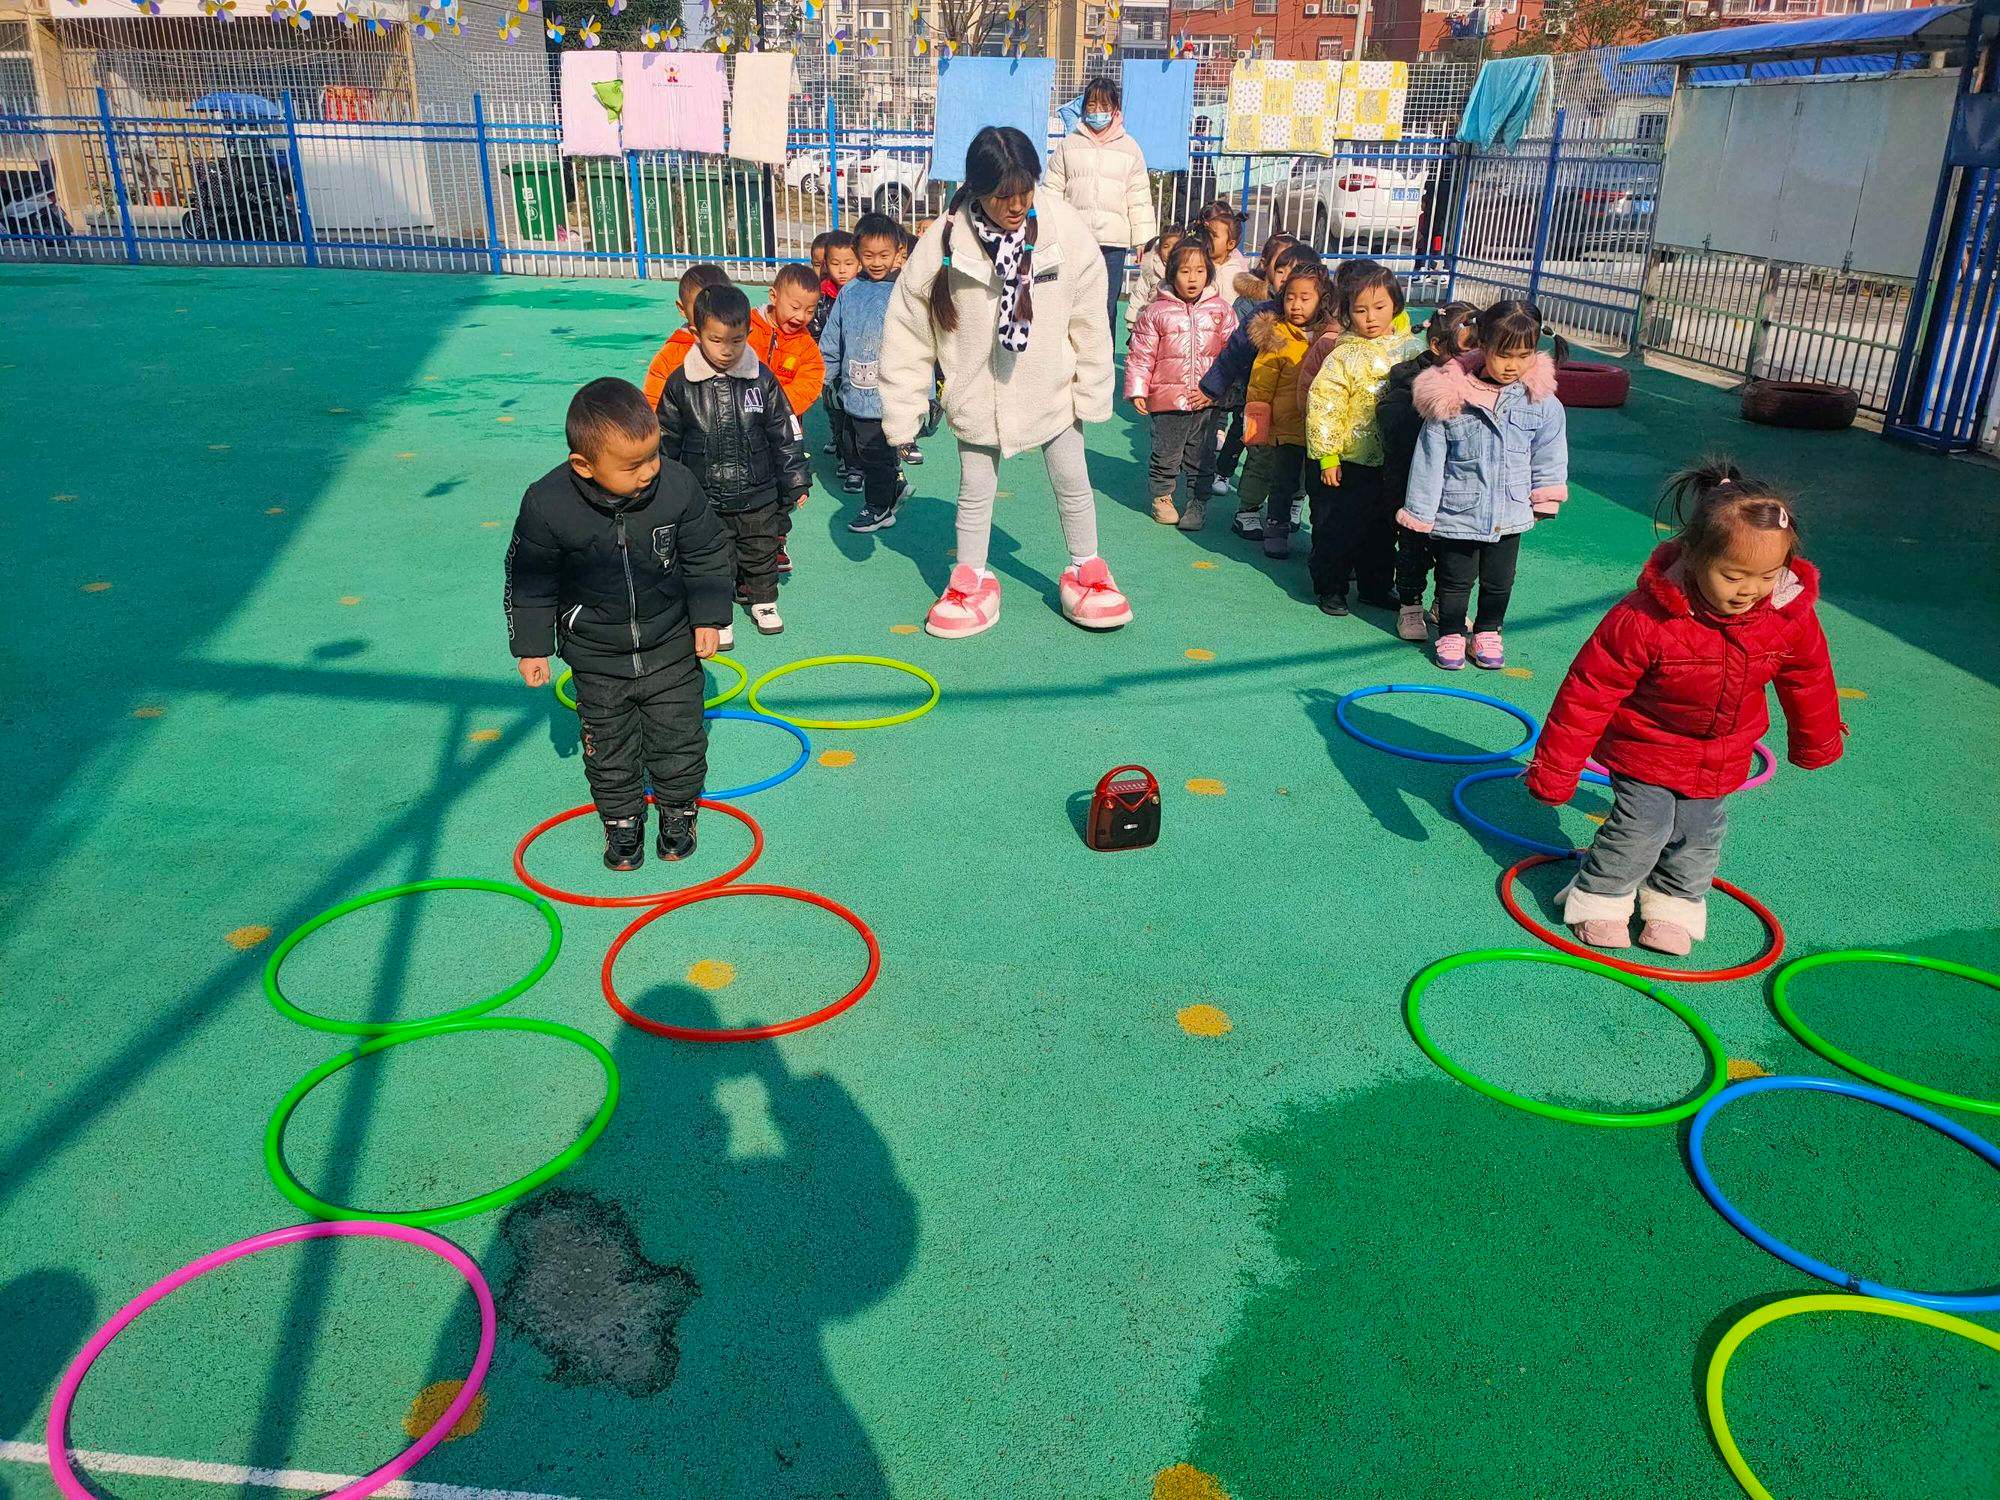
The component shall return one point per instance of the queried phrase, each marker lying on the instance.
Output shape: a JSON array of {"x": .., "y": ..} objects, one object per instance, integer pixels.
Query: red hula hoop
[
  {"x": 577, "y": 898},
  {"x": 1648, "y": 971},
  {"x": 741, "y": 1033}
]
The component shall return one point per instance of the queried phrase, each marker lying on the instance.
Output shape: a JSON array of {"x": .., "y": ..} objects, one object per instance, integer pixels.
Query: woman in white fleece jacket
[
  {"x": 1101, "y": 173},
  {"x": 1004, "y": 295}
]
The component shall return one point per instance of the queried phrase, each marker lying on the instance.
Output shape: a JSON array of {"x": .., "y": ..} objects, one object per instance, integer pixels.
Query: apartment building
[{"x": 1291, "y": 30}]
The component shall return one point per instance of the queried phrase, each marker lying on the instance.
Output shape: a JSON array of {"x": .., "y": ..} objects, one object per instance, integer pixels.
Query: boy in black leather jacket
[
  {"x": 725, "y": 416},
  {"x": 618, "y": 564}
]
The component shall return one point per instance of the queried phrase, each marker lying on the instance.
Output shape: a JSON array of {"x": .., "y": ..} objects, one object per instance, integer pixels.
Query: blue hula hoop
[
  {"x": 1483, "y": 758},
  {"x": 1811, "y": 1265},
  {"x": 805, "y": 753},
  {"x": 1478, "y": 824}
]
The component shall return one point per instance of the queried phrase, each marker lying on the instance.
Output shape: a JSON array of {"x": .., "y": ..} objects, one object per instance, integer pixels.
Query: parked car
[
  {"x": 1333, "y": 203},
  {"x": 1598, "y": 206},
  {"x": 877, "y": 180}
]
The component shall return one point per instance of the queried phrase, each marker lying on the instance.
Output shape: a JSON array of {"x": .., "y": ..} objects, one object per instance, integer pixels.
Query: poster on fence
[
  {"x": 1372, "y": 97},
  {"x": 1282, "y": 108}
]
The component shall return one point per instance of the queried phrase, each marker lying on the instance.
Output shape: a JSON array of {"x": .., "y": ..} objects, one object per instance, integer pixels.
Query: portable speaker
[{"x": 1125, "y": 810}]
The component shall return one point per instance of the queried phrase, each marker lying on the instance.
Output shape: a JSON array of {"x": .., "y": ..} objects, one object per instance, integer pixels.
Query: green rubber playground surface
[{"x": 1126, "y": 1178}]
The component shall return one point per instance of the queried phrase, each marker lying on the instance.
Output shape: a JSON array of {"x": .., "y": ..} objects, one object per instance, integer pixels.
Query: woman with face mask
[{"x": 1100, "y": 170}]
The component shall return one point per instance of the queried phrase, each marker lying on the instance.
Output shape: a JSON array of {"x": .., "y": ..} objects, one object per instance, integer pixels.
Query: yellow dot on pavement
[
  {"x": 483, "y": 736},
  {"x": 406, "y": 455},
  {"x": 710, "y": 973},
  {"x": 902, "y": 630},
  {"x": 148, "y": 711},
  {"x": 218, "y": 447},
  {"x": 430, "y": 377},
  {"x": 274, "y": 510},
  {"x": 1844, "y": 692},
  {"x": 1595, "y": 817},
  {"x": 1200, "y": 653},
  {"x": 350, "y": 598},
  {"x": 1742, "y": 1068},
  {"x": 336, "y": 411},
  {"x": 243, "y": 939},
  {"x": 1516, "y": 672},
  {"x": 503, "y": 419},
  {"x": 430, "y": 1404},
  {"x": 488, "y": 525},
  {"x": 837, "y": 758},
  {"x": 1186, "y": 1482},
  {"x": 96, "y": 588},
  {"x": 1203, "y": 1020},
  {"x": 63, "y": 498},
  {"x": 1204, "y": 564},
  {"x": 1206, "y": 786}
]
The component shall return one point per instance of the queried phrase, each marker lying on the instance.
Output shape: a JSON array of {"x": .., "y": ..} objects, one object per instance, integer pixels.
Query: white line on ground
[{"x": 269, "y": 1479}]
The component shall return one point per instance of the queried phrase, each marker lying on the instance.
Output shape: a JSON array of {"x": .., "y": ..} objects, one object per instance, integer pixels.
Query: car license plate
[{"x": 1405, "y": 195}]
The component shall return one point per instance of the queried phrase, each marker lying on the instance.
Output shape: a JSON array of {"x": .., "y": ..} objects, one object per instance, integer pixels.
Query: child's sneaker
[
  {"x": 1249, "y": 524},
  {"x": 903, "y": 487},
  {"x": 851, "y": 481},
  {"x": 1333, "y": 604},
  {"x": 1410, "y": 623},
  {"x": 830, "y": 449},
  {"x": 1277, "y": 543},
  {"x": 1194, "y": 515},
  {"x": 1163, "y": 510},
  {"x": 624, "y": 843},
  {"x": 1451, "y": 652},
  {"x": 968, "y": 605},
  {"x": 725, "y": 638},
  {"x": 910, "y": 453},
  {"x": 1602, "y": 932},
  {"x": 1221, "y": 485},
  {"x": 1666, "y": 937},
  {"x": 1089, "y": 598},
  {"x": 1487, "y": 651},
  {"x": 873, "y": 520},
  {"x": 1298, "y": 512},
  {"x": 784, "y": 561},
  {"x": 676, "y": 840},
  {"x": 766, "y": 616}
]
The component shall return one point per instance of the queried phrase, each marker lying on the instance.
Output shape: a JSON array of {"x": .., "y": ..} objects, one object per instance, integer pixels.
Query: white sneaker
[
  {"x": 1220, "y": 487},
  {"x": 766, "y": 616},
  {"x": 725, "y": 638}
]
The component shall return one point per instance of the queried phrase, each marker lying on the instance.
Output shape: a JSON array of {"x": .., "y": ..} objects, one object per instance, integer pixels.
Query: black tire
[
  {"x": 895, "y": 201},
  {"x": 1584, "y": 384},
  {"x": 1805, "y": 405},
  {"x": 1319, "y": 226}
]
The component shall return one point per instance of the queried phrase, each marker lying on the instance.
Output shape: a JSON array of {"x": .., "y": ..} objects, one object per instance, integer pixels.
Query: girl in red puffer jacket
[
  {"x": 1668, "y": 693},
  {"x": 1174, "y": 341}
]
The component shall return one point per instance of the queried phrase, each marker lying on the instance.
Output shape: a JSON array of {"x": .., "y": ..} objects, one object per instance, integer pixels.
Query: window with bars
[{"x": 1332, "y": 49}]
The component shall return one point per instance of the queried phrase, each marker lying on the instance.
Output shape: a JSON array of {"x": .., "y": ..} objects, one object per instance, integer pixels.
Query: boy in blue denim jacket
[
  {"x": 852, "y": 348},
  {"x": 1493, "y": 457}
]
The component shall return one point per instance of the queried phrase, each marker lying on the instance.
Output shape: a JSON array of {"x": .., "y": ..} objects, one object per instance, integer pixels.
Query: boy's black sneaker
[
  {"x": 903, "y": 488},
  {"x": 830, "y": 449},
  {"x": 1333, "y": 604},
  {"x": 873, "y": 520},
  {"x": 910, "y": 453},
  {"x": 851, "y": 481},
  {"x": 624, "y": 843},
  {"x": 676, "y": 840}
]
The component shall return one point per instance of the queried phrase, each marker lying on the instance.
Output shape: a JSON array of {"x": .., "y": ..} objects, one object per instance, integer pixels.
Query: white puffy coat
[
  {"x": 994, "y": 398},
  {"x": 1103, "y": 177}
]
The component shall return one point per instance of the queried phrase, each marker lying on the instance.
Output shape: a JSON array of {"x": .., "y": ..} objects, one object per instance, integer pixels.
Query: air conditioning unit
[{"x": 1311, "y": 9}]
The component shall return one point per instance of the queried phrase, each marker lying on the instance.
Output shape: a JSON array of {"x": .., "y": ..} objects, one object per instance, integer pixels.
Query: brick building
[{"x": 1286, "y": 29}]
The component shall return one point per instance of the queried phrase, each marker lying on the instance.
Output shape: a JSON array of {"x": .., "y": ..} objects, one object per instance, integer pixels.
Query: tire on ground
[
  {"x": 1581, "y": 383},
  {"x": 1800, "y": 403}
]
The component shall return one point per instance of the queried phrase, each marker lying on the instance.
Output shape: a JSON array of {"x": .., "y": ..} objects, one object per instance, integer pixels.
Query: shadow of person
[
  {"x": 1383, "y": 782},
  {"x": 47, "y": 1315},
  {"x": 664, "y": 1308}
]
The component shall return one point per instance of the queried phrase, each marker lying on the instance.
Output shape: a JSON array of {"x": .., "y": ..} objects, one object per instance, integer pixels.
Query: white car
[
  {"x": 878, "y": 180},
  {"x": 1333, "y": 203}
]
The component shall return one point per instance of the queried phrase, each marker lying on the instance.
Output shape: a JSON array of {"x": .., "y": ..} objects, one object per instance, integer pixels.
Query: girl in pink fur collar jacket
[{"x": 1493, "y": 457}]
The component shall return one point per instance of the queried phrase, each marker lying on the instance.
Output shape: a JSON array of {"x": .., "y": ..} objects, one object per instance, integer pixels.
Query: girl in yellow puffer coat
[{"x": 1274, "y": 413}]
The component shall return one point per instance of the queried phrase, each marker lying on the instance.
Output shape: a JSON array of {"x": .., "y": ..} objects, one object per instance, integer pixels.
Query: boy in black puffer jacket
[
  {"x": 618, "y": 564},
  {"x": 1448, "y": 334},
  {"x": 725, "y": 416}
]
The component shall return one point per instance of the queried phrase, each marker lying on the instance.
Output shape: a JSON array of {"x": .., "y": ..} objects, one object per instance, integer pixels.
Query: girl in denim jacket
[{"x": 1492, "y": 458}]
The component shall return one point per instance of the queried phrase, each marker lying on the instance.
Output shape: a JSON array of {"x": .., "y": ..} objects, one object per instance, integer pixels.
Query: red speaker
[{"x": 1125, "y": 810}]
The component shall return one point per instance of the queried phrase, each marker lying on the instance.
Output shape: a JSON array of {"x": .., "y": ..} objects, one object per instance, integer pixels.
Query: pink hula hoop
[
  {"x": 1761, "y": 750},
  {"x": 58, "y": 1431}
]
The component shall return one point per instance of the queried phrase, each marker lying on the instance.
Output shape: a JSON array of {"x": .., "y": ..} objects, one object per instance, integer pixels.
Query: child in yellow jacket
[
  {"x": 1353, "y": 519},
  {"x": 1274, "y": 414}
]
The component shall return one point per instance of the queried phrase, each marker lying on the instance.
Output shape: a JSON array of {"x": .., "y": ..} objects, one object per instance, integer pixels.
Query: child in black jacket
[
  {"x": 725, "y": 416},
  {"x": 1448, "y": 334},
  {"x": 618, "y": 565}
]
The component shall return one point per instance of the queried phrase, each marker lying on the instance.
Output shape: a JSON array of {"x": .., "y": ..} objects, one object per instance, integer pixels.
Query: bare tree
[{"x": 968, "y": 24}]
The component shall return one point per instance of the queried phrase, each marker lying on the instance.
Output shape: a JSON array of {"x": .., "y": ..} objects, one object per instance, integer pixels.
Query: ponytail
[
  {"x": 1713, "y": 500},
  {"x": 944, "y": 312}
]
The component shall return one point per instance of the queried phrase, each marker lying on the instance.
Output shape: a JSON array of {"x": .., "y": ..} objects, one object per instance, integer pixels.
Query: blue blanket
[
  {"x": 974, "y": 92},
  {"x": 1159, "y": 110},
  {"x": 1503, "y": 100}
]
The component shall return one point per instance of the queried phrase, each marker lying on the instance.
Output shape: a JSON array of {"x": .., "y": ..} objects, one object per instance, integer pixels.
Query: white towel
[{"x": 761, "y": 98}]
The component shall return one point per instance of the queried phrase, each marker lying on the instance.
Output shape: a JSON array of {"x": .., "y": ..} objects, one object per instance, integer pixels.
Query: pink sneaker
[
  {"x": 1601, "y": 932},
  {"x": 1487, "y": 651},
  {"x": 1451, "y": 652},
  {"x": 1089, "y": 598},
  {"x": 1666, "y": 937},
  {"x": 968, "y": 605}
]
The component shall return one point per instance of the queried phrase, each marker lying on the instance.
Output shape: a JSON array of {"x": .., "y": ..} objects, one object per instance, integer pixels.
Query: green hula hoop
[
  {"x": 521, "y": 986},
  {"x": 568, "y": 699},
  {"x": 835, "y": 661},
  {"x": 426, "y": 1218},
  {"x": 1781, "y": 1003},
  {"x": 1718, "y": 1060}
]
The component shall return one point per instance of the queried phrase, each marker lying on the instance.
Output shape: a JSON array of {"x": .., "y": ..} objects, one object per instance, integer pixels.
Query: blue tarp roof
[{"x": 1931, "y": 29}]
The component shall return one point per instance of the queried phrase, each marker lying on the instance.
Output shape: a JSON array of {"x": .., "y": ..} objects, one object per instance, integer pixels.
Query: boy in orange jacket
[
  {"x": 781, "y": 336},
  {"x": 675, "y": 350}
]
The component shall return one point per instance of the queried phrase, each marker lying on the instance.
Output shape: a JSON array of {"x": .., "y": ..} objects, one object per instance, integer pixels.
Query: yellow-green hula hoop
[
  {"x": 1718, "y": 1363},
  {"x": 858, "y": 661},
  {"x": 564, "y": 697}
]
